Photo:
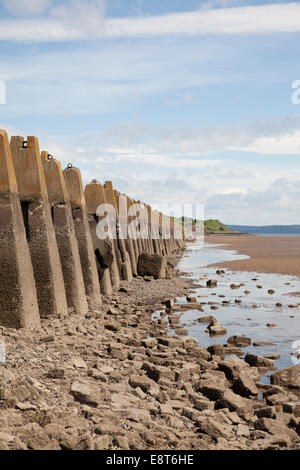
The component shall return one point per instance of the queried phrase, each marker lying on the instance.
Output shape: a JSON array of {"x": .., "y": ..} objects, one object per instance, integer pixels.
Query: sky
[{"x": 175, "y": 101}]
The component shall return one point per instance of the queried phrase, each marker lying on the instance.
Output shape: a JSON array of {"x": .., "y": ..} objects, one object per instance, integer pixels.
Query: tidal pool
[{"x": 243, "y": 318}]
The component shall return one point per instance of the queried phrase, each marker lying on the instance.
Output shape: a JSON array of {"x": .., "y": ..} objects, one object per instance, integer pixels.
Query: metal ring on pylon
[
  {"x": 69, "y": 166},
  {"x": 94, "y": 181},
  {"x": 50, "y": 157},
  {"x": 24, "y": 145}
]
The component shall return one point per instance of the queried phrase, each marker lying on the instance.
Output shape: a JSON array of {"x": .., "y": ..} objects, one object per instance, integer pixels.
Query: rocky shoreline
[{"x": 116, "y": 380}]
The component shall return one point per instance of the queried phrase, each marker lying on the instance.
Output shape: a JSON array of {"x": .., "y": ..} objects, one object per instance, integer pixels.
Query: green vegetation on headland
[
  {"x": 210, "y": 225},
  {"x": 215, "y": 226}
]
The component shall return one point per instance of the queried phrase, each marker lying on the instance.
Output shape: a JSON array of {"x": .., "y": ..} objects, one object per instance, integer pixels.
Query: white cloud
[
  {"x": 287, "y": 143},
  {"x": 83, "y": 20},
  {"x": 26, "y": 7},
  {"x": 278, "y": 203}
]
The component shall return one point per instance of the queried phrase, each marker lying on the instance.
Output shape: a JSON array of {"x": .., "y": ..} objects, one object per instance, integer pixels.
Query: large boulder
[
  {"x": 152, "y": 265},
  {"x": 212, "y": 384},
  {"x": 259, "y": 361},
  {"x": 245, "y": 385},
  {"x": 235, "y": 402},
  {"x": 289, "y": 378},
  {"x": 232, "y": 367},
  {"x": 216, "y": 329},
  {"x": 239, "y": 341}
]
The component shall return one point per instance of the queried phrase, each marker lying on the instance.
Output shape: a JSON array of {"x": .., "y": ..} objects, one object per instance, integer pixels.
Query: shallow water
[{"x": 243, "y": 319}]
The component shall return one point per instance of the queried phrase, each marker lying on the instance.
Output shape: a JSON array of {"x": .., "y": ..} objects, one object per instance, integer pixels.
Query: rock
[
  {"x": 263, "y": 343},
  {"x": 97, "y": 375},
  {"x": 271, "y": 325},
  {"x": 117, "y": 351},
  {"x": 214, "y": 429},
  {"x": 271, "y": 291},
  {"x": 112, "y": 311},
  {"x": 279, "y": 304},
  {"x": 293, "y": 408},
  {"x": 243, "y": 430},
  {"x": 266, "y": 412},
  {"x": 232, "y": 367},
  {"x": 212, "y": 384},
  {"x": 169, "y": 303},
  {"x": 280, "y": 398},
  {"x": 123, "y": 290},
  {"x": 138, "y": 415},
  {"x": 275, "y": 427},
  {"x": 235, "y": 286},
  {"x": 152, "y": 265},
  {"x": 78, "y": 363},
  {"x": 274, "y": 357},
  {"x": 245, "y": 386},
  {"x": 201, "y": 403},
  {"x": 47, "y": 339},
  {"x": 216, "y": 329},
  {"x": 289, "y": 378},
  {"x": 25, "y": 406},
  {"x": 258, "y": 361},
  {"x": 238, "y": 301},
  {"x": 211, "y": 283},
  {"x": 191, "y": 299},
  {"x": 83, "y": 394},
  {"x": 216, "y": 350},
  {"x": 206, "y": 319},
  {"x": 239, "y": 341},
  {"x": 112, "y": 325},
  {"x": 102, "y": 443},
  {"x": 56, "y": 373},
  {"x": 121, "y": 442},
  {"x": 235, "y": 402},
  {"x": 141, "y": 381},
  {"x": 157, "y": 373},
  {"x": 170, "y": 341}
]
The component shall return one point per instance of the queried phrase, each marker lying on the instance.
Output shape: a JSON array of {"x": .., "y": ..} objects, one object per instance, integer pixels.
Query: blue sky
[{"x": 174, "y": 103}]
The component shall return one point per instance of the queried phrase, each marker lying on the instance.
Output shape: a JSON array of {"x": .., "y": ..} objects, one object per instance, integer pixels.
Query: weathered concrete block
[
  {"x": 122, "y": 204},
  {"x": 88, "y": 263},
  {"x": 39, "y": 227},
  {"x": 65, "y": 234},
  {"x": 104, "y": 249},
  {"x": 18, "y": 297},
  {"x": 152, "y": 265},
  {"x": 121, "y": 253}
]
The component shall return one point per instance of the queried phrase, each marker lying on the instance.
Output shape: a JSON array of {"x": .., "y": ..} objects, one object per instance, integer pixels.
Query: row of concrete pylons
[{"x": 51, "y": 259}]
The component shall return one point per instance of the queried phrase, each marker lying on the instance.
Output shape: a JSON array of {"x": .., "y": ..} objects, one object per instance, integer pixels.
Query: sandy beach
[{"x": 280, "y": 255}]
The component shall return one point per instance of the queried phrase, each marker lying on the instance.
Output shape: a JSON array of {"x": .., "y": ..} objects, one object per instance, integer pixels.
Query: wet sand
[{"x": 280, "y": 255}]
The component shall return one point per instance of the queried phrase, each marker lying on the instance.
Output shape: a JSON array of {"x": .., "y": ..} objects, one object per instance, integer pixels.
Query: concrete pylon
[
  {"x": 132, "y": 235},
  {"x": 155, "y": 230},
  {"x": 94, "y": 197},
  {"x": 151, "y": 241},
  {"x": 139, "y": 240},
  {"x": 113, "y": 269},
  {"x": 123, "y": 218},
  {"x": 122, "y": 255},
  {"x": 39, "y": 227},
  {"x": 65, "y": 234},
  {"x": 18, "y": 297},
  {"x": 87, "y": 257}
]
